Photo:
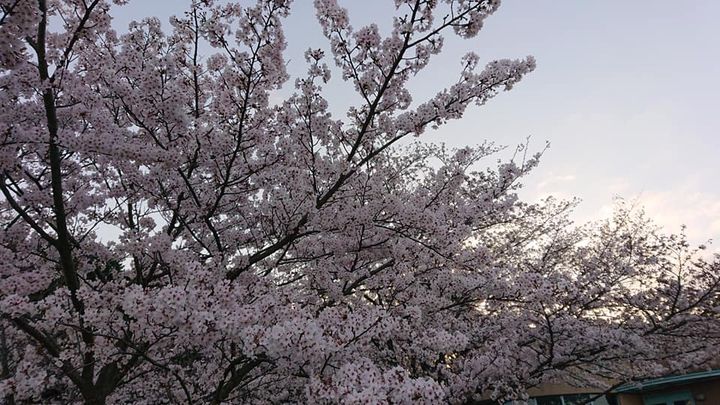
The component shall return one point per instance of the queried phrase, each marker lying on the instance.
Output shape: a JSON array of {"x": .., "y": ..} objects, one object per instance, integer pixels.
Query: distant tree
[{"x": 170, "y": 235}]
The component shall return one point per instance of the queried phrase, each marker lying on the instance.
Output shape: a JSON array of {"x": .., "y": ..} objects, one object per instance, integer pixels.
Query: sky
[{"x": 627, "y": 93}]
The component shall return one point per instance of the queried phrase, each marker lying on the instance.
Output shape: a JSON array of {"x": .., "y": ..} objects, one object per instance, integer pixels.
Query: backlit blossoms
[{"x": 174, "y": 233}]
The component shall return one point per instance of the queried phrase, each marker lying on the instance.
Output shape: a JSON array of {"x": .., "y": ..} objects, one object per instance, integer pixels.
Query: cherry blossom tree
[{"x": 170, "y": 235}]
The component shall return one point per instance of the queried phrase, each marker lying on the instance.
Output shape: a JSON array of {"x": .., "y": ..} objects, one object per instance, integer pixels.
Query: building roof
[{"x": 662, "y": 382}]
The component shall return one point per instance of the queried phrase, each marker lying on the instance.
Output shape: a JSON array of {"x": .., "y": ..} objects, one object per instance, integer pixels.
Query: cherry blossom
[{"x": 173, "y": 234}]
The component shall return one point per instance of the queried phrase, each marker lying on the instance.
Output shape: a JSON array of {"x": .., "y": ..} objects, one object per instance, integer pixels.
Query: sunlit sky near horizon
[{"x": 626, "y": 92}]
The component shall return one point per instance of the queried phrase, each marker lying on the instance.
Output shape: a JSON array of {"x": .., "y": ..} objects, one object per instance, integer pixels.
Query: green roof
[{"x": 657, "y": 383}]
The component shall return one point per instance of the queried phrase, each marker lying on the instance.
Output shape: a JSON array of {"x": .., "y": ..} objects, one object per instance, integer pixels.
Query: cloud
[
  {"x": 670, "y": 204},
  {"x": 554, "y": 180},
  {"x": 700, "y": 211}
]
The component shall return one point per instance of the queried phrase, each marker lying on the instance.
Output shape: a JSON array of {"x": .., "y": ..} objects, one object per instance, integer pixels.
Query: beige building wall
[
  {"x": 630, "y": 399},
  {"x": 560, "y": 389}
]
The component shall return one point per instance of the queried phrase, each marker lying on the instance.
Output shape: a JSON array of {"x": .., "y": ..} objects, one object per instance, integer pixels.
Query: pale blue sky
[{"x": 627, "y": 93}]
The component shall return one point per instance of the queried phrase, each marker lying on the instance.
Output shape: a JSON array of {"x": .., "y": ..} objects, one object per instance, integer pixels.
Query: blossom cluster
[{"x": 172, "y": 233}]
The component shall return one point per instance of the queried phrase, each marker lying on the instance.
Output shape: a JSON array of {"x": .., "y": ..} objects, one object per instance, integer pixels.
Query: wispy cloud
[
  {"x": 554, "y": 180},
  {"x": 700, "y": 211}
]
